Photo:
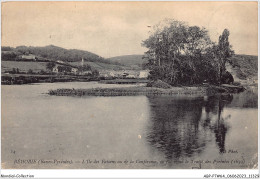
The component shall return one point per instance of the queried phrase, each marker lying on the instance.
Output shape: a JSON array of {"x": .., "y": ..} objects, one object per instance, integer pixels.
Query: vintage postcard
[{"x": 129, "y": 85}]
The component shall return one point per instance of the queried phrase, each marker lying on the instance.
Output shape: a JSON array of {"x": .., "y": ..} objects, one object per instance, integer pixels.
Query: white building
[
  {"x": 55, "y": 69},
  {"x": 88, "y": 72},
  {"x": 60, "y": 61},
  {"x": 103, "y": 74},
  {"x": 29, "y": 57},
  {"x": 74, "y": 70},
  {"x": 130, "y": 76},
  {"x": 107, "y": 73},
  {"x": 144, "y": 74}
]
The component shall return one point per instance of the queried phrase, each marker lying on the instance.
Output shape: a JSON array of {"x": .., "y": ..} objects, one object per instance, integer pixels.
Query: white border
[
  {"x": 130, "y": 173},
  {"x": 118, "y": 173}
]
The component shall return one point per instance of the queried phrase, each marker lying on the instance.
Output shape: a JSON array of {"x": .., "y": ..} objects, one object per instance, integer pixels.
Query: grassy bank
[
  {"x": 132, "y": 91},
  {"x": 148, "y": 91},
  {"x": 123, "y": 81}
]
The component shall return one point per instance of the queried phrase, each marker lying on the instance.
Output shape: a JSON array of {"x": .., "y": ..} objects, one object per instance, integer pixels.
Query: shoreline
[
  {"x": 122, "y": 91},
  {"x": 23, "y": 79},
  {"x": 147, "y": 91}
]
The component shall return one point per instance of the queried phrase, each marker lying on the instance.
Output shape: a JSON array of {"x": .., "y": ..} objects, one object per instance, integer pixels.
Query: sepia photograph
[{"x": 129, "y": 85}]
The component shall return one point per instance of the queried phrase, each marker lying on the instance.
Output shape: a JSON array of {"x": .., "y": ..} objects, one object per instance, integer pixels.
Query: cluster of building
[
  {"x": 65, "y": 68},
  {"x": 102, "y": 73},
  {"x": 61, "y": 66}
]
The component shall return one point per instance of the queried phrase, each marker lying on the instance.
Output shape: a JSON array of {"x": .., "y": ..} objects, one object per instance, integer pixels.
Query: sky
[{"x": 118, "y": 28}]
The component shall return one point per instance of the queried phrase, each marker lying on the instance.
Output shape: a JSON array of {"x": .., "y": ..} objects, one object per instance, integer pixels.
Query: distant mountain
[
  {"x": 134, "y": 61},
  {"x": 58, "y": 53}
]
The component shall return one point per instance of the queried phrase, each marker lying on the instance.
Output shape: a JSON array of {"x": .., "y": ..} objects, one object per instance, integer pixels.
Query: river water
[{"x": 179, "y": 132}]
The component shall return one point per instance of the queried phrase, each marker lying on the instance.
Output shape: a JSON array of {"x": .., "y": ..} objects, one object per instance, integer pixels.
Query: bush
[
  {"x": 158, "y": 84},
  {"x": 236, "y": 83},
  {"x": 30, "y": 71},
  {"x": 42, "y": 72},
  {"x": 227, "y": 78}
]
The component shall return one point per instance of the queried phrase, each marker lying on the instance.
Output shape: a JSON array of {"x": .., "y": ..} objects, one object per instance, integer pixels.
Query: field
[
  {"x": 38, "y": 66},
  {"x": 102, "y": 66},
  {"x": 23, "y": 66},
  {"x": 133, "y": 61}
]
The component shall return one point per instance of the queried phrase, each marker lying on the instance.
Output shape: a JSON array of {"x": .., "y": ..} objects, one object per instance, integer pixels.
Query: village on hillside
[{"x": 29, "y": 68}]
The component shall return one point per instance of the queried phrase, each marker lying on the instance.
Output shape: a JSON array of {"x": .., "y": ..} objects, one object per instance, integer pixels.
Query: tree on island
[{"x": 183, "y": 55}]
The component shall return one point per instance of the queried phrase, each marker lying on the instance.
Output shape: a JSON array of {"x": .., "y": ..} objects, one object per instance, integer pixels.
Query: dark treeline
[{"x": 184, "y": 55}]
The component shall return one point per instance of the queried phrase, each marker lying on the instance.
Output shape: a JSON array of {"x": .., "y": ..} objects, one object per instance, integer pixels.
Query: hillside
[
  {"x": 53, "y": 53},
  {"x": 134, "y": 61},
  {"x": 243, "y": 67},
  {"x": 102, "y": 66},
  {"x": 23, "y": 66},
  {"x": 11, "y": 55}
]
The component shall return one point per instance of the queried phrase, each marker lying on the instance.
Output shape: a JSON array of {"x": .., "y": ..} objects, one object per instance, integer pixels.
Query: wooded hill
[
  {"x": 244, "y": 66},
  {"x": 53, "y": 53},
  {"x": 12, "y": 58}
]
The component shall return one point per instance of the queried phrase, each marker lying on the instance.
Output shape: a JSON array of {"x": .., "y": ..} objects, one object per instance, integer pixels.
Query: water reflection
[
  {"x": 182, "y": 127},
  {"x": 215, "y": 105},
  {"x": 120, "y": 128}
]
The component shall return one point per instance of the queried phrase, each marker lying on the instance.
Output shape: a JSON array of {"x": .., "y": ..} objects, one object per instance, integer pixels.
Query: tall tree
[{"x": 222, "y": 52}]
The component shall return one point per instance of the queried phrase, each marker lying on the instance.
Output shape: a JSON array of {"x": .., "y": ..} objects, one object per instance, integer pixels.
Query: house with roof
[
  {"x": 59, "y": 68},
  {"x": 86, "y": 72},
  {"x": 74, "y": 70},
  {"x": 55, "y": 69},
  {"x": 29, "y": 57},
  {"x": 107, "y": 73},
  {"x": 60, "y": 61}
]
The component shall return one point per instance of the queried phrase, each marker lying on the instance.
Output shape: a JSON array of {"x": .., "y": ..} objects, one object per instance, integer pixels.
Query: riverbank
[
  {"x": 20, "y": 79},
  {"x": 124, "y": 81}
]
